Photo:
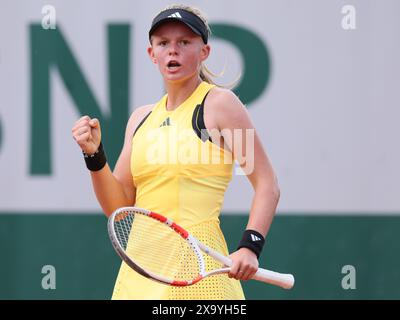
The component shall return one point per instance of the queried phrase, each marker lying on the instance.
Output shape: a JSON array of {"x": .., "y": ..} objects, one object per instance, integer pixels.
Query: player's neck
[{"x": 178, "y": 92}]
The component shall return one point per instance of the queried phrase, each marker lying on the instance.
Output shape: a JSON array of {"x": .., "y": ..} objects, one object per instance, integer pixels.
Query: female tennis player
[{"x": 178, "y": 158}]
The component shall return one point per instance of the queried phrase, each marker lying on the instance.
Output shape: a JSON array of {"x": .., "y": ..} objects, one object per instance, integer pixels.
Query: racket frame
[{"x": 285, "y": 281}]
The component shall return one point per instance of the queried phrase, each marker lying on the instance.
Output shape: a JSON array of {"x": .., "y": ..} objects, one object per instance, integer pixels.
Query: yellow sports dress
[{"x": 179, "y": 173}]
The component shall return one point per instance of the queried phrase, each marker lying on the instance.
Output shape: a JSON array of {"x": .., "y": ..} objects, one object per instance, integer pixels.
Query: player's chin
[
  {"x": 175, "y": 77},
  {"x": 179, "y": 76}
]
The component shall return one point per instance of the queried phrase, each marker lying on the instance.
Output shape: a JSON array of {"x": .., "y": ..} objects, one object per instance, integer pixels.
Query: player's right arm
[{"x": 113, "y": 189}]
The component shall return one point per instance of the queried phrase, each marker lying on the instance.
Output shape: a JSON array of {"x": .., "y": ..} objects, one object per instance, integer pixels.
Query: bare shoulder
[
  {"x": 136, "y": 118},
  {"x": 223, "y": 100},
  {"x": 219, "y": 94},
  {"x": 139, "y": 113},
  {"x": 223, "y": 108}
]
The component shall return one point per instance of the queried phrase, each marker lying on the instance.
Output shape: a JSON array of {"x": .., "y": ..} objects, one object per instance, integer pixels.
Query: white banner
[{"x": 327, "y": 115}]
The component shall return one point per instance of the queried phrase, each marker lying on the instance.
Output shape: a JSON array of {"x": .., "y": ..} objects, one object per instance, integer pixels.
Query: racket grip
[{"x": 282, "y": 280}]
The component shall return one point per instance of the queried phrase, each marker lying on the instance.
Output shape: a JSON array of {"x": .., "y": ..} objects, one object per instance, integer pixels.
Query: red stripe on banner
[
  {"x": 180, "y": 230},
  {"x": 158, "y": 217}
]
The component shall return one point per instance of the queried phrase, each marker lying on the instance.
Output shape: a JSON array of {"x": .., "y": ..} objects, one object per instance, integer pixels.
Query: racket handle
[{"x": 282, "y": 280}]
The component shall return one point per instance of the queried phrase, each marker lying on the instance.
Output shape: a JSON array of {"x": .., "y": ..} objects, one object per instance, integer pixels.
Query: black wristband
[
  {"x": 252, "y": 240},
  {"x": 96, "y": 161}
]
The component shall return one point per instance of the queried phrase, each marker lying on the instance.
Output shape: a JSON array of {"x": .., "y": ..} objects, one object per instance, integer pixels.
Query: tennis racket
[{"x": 159, "y": 249}]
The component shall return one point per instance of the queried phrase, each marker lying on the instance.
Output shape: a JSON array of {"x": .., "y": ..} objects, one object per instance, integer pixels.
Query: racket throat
[{"x": 218, "y": 271}]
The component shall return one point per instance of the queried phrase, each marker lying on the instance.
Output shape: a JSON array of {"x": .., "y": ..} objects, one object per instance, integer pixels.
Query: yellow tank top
[{"x": 181, "y": 174}]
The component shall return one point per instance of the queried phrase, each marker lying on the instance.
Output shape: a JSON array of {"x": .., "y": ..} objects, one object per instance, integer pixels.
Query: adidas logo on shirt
[
  {"x": 166, "y": 122},
  {"x": 175, "y": 15},
  {"x": 255, "y": 238}
]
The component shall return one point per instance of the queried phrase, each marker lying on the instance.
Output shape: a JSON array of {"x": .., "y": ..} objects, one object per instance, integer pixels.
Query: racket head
[{"x": 156, "y": 247}]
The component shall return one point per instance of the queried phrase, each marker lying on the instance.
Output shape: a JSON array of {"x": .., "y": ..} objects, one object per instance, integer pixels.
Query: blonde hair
[{"x": 205, "y": 74}]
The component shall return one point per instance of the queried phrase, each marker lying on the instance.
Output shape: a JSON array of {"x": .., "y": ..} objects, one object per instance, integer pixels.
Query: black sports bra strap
[{"x": 198, "y": 124}]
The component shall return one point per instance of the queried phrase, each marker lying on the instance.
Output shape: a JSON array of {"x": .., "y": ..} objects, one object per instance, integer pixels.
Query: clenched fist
[{"x": 87, "y": 134}]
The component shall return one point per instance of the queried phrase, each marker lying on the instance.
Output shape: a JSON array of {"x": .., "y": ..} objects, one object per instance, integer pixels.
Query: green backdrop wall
[{"x": 313, "y": 248}]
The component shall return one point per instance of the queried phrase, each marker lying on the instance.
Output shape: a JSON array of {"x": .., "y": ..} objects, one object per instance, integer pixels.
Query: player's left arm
[{"x": 240, "y": 136}]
